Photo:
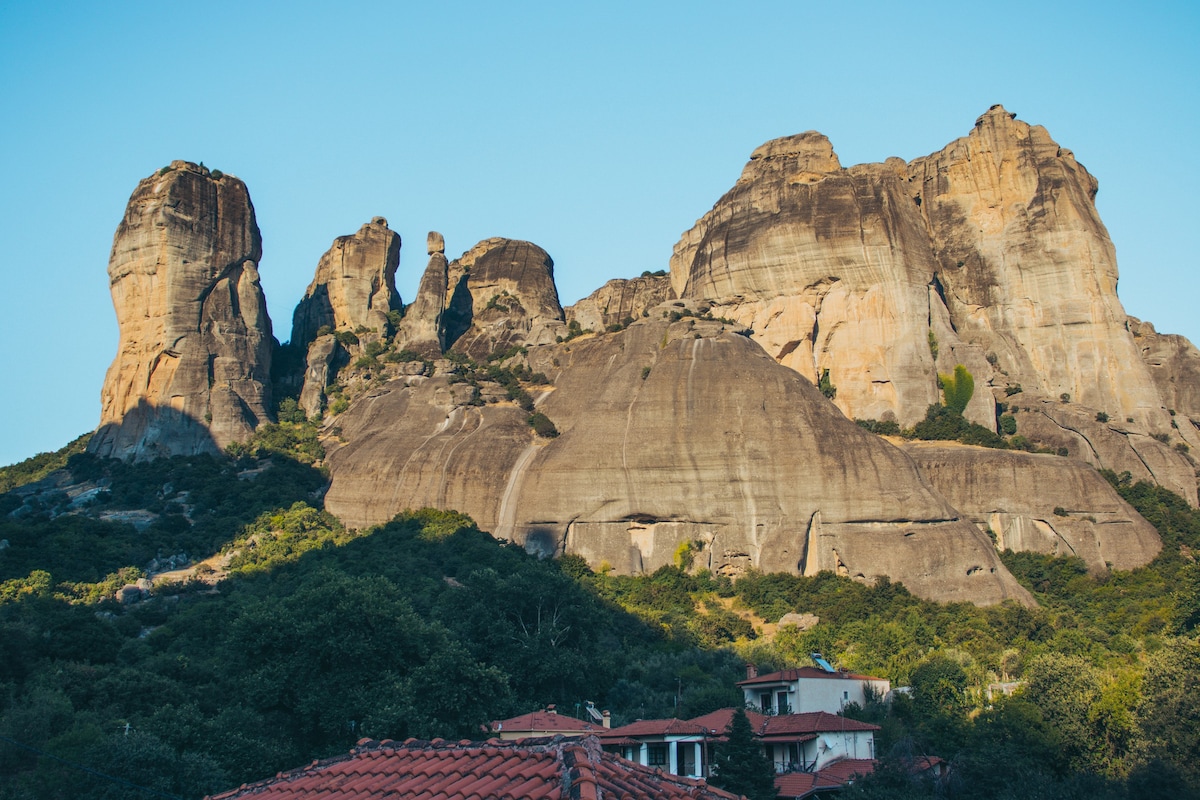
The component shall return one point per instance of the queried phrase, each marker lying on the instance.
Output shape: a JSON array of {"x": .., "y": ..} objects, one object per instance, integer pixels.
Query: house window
[
  {"x": 783, "y": 707},
  {"x": 656, "y": 755},
  {"x": 764, "y": 700}
]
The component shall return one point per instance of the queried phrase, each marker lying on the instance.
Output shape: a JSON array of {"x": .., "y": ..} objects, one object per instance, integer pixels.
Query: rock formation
[
  {"x": 421, "y": 330},
  {"x": 1174, "y": 364},
  {"x": 1041, "y": 503},
  {"x": 354, "y": 285},
  {"x": 192, "y": 369},
  {"x": 620, "y": 300},
  {"x": 502, "y": 294},
  {"x": 671, "y": 433},
  {"x": 989, "y": 254}
]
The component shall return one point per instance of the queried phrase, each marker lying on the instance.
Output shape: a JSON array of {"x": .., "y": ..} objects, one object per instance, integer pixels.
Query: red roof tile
[
  {"x": 812, "y": 722},
  {"x": 655, "y": 727},
  {"x": 839, "y": 773},
  {"x": 545, "y": 722},
  {"x": 551, "y": 769},
  {"x": 788, "y": 675},
  {"x": 784, "y": 725}
]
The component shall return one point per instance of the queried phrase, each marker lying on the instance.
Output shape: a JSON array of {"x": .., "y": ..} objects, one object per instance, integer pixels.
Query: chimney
[
  {"x": 751, "y": 671},
  {"x": 607, "y": 719},
  {"x": 551, "y": 709}
]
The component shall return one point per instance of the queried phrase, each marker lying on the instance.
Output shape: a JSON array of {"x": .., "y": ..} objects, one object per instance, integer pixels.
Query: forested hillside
[{"x": 299, "y": 637}]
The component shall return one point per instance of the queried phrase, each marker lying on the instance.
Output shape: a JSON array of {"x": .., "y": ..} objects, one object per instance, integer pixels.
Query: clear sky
[{"x": 599, "y": 131}]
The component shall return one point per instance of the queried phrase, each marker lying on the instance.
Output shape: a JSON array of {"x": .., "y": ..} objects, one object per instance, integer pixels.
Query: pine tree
[{"x": 740, "y": 765}]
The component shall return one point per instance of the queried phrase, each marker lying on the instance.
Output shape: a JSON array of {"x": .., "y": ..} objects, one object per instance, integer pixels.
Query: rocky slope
[
  {"x": 988, "y": 253},
  {"x": 192, "y": 369},
  {"x": 672, "y": 433}
]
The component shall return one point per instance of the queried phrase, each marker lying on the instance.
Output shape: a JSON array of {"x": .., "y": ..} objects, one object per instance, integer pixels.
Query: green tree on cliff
[{"x": 957, "y": 389}]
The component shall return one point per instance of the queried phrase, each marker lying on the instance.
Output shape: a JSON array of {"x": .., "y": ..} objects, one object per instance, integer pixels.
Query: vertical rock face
[
  {"x": 502, "y": 294},
  {"x": 1174, "y": 364},
  {"x": 988, "y": 253},
  {"x": 192, "y": 369},
  {"x": 355, "y": 284}
]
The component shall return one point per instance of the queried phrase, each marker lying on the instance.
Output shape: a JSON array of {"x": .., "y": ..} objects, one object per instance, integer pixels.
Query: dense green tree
[{"x": 739, "y": 763}]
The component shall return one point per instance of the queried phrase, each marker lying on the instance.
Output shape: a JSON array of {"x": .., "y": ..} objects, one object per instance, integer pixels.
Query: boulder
[{"x": 192, "y": 369}]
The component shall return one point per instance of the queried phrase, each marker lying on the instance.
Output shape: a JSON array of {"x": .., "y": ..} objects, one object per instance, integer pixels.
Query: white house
[
  {"x": 809, "y": 689},
  {"x": 801, "y": 742},
  {"x": 673, "y": 745}
]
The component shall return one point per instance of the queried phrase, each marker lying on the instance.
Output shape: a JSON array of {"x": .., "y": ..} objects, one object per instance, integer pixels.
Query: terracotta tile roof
[
  {"x": 655, "y": 727},
  {"x": 788, "y": 727},
  {"x": 719, "y": 720},
  {"x": 545, "y": 722},
  {"x": 788, "y": 675},
  {"x": 557, "y": 768},
  {"x": 839, "y": 773},
  {"x": 812, "y": 722}
]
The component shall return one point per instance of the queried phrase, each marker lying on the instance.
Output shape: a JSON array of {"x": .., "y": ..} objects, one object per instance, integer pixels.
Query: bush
[
  {"x": 886, "y": 427},
  {"x": 826, "y": 385},
  {"x": 542, "y": 425},
  {"x": 1008, "y": 424},
  {"x": 346, "y": 337},
  {"x": 958, "y": 388},
  {"x": 1101, "y": 416}
]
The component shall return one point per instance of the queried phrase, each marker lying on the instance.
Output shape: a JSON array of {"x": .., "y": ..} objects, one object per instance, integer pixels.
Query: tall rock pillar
[{"x": 192, "y": 369}]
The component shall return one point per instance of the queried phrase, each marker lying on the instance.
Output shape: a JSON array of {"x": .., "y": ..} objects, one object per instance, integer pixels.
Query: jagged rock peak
[
  {"x": 354, "y": 284},
  {"x": 192, "y": 369}
]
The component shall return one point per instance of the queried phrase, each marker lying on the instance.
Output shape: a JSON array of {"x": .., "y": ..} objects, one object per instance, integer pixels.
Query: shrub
[
  {"x": 958, "y": 388},
  {"x": 933, "y": 344},
  {"x": 1059, "y": 511},
  {"x": 645, "y": 373},
  {"x": 339, "y": 405},
  {"x": 886, "y": 427},
  {"x": 1065, "y": 397},
  {"x": 1009, "y": 391},
  {"x": 1160, "y": 437},
  {"x": 1101, "y": 416},
  {"x": 826, "y": 386},
  {"x": 346, "y": 337},
  {"x": 1008, "y": 424},
  {"x": 324, "y": 330},
  {"x": 542, "y": 425}
]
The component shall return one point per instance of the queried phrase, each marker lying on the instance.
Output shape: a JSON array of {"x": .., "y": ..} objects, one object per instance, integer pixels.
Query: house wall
[{"x": 815, "y": 694}]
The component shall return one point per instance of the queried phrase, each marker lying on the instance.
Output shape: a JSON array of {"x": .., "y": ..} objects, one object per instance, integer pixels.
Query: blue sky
[{"x": 599, "y": 131}]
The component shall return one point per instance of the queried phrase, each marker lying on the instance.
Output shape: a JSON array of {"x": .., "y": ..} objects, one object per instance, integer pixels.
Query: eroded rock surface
[
  {"x": 192, "y": 369},
  {"x": 670, "y": 433},
  {"x": 1040, "y": 503}
]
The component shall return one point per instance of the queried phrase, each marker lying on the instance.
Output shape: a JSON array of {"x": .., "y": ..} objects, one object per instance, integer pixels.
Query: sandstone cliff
[
  {"x": 671, "y": 433},
  {"x": 989, "y": 253},
  {"x": 192, "y": 369},
  {"x": 354, "y": 285}
]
